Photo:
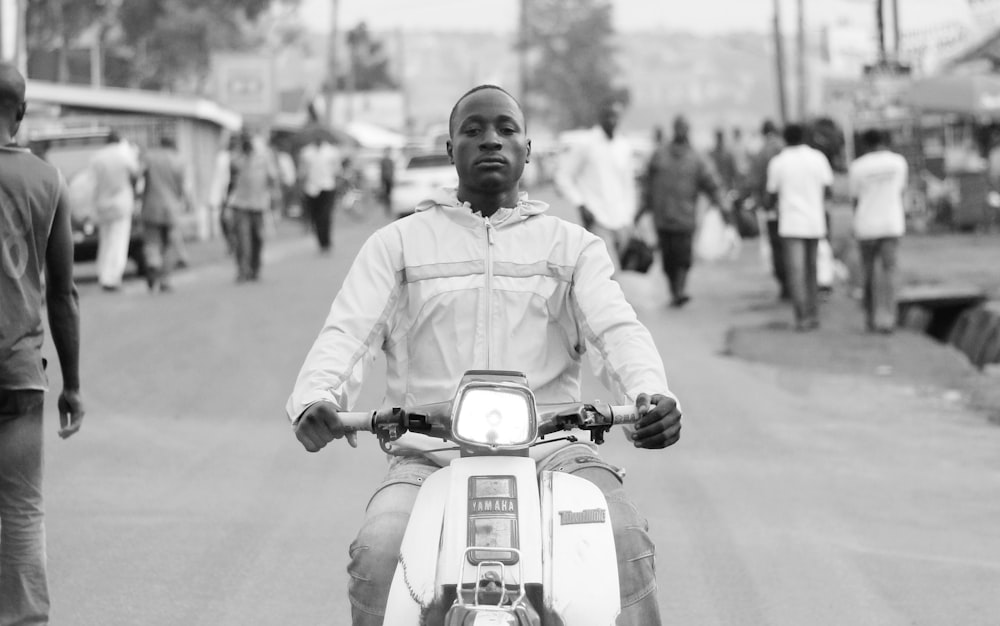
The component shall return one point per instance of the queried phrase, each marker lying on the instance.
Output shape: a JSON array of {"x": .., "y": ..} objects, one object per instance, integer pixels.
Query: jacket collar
[{"x": 446, "y": 200}]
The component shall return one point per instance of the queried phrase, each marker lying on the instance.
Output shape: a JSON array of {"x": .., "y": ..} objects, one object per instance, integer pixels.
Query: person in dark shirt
[
  {"x": 675, "y": 176},
  {"x": 35, "y": 240}
]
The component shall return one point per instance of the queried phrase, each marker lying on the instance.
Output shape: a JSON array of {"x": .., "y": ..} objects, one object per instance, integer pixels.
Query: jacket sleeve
[
  {"x": 627, "y": 360},
  {"x": 354, "y": 330}
]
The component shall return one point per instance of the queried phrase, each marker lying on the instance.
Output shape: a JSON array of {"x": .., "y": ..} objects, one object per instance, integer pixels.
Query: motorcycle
[{"x": 489, "y": 542}]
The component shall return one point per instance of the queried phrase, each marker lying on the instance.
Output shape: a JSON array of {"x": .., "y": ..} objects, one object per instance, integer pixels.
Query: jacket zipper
[{"x": 489, "y": 293}]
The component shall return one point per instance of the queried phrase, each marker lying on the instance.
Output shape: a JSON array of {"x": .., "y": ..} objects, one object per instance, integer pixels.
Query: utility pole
[
  {"x": 331, "y": 58},
  {"x": 522, "y": 55},
  {"x": 880, "y": 29},
  {"x": 801, "y": 64},
  {"x": 895, "y": 30},
  {"x": 779, "y": 61},
  {"x": 404, "y": 87}
]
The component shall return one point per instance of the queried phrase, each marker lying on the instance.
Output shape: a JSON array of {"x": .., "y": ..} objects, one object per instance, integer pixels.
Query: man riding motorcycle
[{"x": 480, "y": 278}]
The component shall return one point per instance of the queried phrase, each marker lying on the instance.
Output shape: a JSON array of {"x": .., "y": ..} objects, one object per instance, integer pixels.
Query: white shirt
[
  {"x": 319, "y": 165},
  {"x": 877, "y": 180},
  {"x": 799, "y": 175},
  {"x": 599, "y": 173}
]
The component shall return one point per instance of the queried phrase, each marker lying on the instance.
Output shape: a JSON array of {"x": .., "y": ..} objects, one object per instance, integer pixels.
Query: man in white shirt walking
[
  {"x": 798, "y": 180},
  {"x": 115, "y": 168},
  {"x": 877, "y": 181},
  {"x": 319, "y": 164},
  {"x": 598, "y": 176}
]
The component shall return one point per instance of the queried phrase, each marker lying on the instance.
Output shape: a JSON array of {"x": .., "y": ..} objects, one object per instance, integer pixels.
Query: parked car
[
  {"x": 70, "y": 152},
  {"x": 418, "y": 179}
]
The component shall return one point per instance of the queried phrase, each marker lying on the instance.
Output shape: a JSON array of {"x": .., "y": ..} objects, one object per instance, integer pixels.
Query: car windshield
[{"x": 428, "y": 160}]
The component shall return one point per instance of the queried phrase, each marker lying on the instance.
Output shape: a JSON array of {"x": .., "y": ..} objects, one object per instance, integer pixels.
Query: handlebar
[
  {"x": 357, "y": 420},
  {"x": 390, "y": 424}
]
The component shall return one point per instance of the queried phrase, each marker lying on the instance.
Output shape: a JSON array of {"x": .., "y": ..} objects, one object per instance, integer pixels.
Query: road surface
[{"x": 792, "y": 498}]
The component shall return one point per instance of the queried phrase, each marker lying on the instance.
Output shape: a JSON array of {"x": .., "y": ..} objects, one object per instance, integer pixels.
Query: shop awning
[{"x": 970, "y": 94}]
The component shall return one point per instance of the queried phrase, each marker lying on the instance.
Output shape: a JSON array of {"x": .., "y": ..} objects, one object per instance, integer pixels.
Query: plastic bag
[
  {"x": 825, "y": 268},
  {"x": 716, "y": 240}
]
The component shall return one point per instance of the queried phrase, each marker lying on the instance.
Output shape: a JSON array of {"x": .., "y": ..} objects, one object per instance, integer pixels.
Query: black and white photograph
[{"x": 499, "y": 312}]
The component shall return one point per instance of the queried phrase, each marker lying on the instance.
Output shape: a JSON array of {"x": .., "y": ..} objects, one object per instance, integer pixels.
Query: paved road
[{"x": 793, "y": 497}]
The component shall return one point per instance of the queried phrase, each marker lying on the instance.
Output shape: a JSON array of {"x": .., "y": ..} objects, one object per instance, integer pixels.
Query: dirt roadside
[{"x": 762, "y": 329}]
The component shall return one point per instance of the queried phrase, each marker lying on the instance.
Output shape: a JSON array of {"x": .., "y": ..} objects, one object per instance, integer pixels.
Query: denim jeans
[
  {"x": 249, "y": 242},
  {"x": 159, "y": 245},
  {"x": 777, "y": 258},
  {"x": 800, "y": 265},
  {"x": 24, "y": 592},
  {"x": 878, "y": 272},
  {"x": 676, "y": 255},
  {"x": 375, "y": 551}
]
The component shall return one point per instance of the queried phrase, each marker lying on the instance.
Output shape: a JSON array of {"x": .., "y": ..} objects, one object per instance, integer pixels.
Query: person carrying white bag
[
  {"x": 798, "y": 181},
  {"x": 675, "y": 177},
  {"x": 716, "y": 240}
]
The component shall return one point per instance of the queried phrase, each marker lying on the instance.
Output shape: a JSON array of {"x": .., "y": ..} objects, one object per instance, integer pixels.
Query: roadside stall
[
  {"x": 199, "y": 126},
  {"x": 959, "y": 116}
]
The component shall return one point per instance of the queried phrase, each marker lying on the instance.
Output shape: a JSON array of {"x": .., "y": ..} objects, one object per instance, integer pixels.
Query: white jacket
[{"x": 445, "y": 291}]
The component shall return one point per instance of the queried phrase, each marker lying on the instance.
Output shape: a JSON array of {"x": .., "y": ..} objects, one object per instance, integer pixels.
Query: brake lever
[{"x": 392, "y": 428}]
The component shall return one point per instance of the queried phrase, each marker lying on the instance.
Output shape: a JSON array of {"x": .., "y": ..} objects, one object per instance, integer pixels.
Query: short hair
[
  {"x": 795, "y": 134},
  {"x": 114, "y": 137},
  {"x": 454, "y": 109},
  {"x": 166, "y": 141},
  {"x": 873, "y": 137},
  {"x": 768, "y": 127}
]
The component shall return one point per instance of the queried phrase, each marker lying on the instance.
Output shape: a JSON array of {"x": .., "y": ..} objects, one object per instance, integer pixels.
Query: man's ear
[
  {"x": 527, "y": 154},
  {"x": 21, "y": 108},
  {"x": 447, "y": 147}
]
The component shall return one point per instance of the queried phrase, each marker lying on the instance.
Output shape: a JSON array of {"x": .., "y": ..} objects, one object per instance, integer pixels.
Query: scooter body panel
[
  {"x": 488, "y": 517},
  {"x": 414, "y": 583},
  {"x": 561, "y": 531},
  {"x": 580, "y": 580}
]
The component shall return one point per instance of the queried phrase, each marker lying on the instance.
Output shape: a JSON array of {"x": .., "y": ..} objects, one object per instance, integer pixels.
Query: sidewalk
[
  {"x": 202, "y": 253},
  {"x": 762, "y": 331}
]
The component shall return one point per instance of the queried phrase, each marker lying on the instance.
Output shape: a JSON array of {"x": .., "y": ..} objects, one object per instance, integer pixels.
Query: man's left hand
[{"x": 659, "y": 423}]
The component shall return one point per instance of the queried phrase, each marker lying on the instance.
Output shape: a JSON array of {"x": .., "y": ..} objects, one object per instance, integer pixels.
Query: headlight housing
[{"x": 494, "y": 414}]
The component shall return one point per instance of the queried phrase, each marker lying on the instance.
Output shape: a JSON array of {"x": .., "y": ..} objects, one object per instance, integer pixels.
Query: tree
[
  {"x": 572, "y": 64},
  {"x": 153, "y": 44},
  {"x": 369, "y": 62},
  {"x": 51, "y": 26},
  {"x": 172, "y": 40}
]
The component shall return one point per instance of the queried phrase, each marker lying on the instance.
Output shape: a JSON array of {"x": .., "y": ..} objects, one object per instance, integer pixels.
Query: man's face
[
  {"x": 488, "y": 144},
  {"x": 609, "y": 117},
  {"x": 681, "y": 129}
]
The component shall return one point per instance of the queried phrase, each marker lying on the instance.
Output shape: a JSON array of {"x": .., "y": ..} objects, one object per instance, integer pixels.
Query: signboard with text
[{"x": 245, "y": 83}]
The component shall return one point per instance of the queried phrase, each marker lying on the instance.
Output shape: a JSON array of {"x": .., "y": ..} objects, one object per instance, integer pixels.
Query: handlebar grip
[
  {"x": 357, "y": 420},
  {"x": 624, "y": 414}
]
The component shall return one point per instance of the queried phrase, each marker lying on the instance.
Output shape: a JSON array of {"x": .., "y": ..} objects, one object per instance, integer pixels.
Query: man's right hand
[
  {"x": 319, "y": 425},
  {"x": 70, "y": 412}
]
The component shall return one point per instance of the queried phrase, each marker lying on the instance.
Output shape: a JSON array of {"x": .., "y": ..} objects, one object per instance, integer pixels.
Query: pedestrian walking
[
  {"x": 387, "y": 176},
  {"x": 741, "y": 156},
  {"x": 675, "y": 178},
  {"x": 167, "y": 194},
  {"x": 255, "y": 188},
  {"x": 219, "y": 190},
  {"x": 116, "y": 171},
  {"x": 598, "y": 176},
  {"x": 319, "y": 163},
  {"x": 877, "y": 181},
  {"x": 757, "y": 183},
  {"x": 799, "y": 179},
  {"x": 35, "y": 239},
  {"x": 725, "y": 163}
]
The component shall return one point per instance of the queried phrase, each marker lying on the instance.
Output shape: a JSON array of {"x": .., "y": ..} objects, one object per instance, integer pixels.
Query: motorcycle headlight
[{"x": 495, "y": 416}]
